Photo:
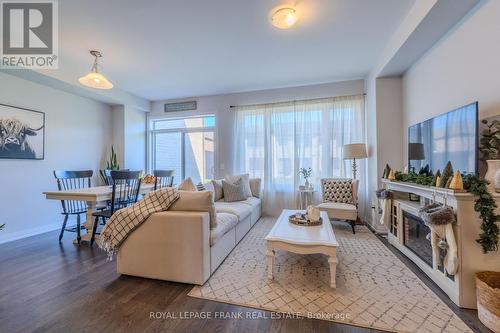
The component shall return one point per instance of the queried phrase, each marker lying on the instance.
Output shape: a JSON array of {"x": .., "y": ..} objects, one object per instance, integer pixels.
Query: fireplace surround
[{"x": 407, "y": 233}]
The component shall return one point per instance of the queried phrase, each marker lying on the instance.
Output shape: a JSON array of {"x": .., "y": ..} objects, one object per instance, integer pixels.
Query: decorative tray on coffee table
[{"x": 303, "y": 220}]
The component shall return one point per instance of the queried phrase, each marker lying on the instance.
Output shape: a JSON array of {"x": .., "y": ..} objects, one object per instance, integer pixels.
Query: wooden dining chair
[
  {"x": 73, "y": 180},
  {"x": 126, "y": 186},
  {"x": 106, "y": 176},
  {"x": 163, "y": 178}
]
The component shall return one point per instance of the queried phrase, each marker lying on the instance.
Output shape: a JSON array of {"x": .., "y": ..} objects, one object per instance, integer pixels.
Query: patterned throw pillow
[
  {"x": 245, "y": 179},
  {"x": 234, "y": 191},
  {"x": 187, "y": 185},
  {"x": 200, "y": 187},
  {"x": 337, "y": 190},
  {"x": 218, "y": 190}
]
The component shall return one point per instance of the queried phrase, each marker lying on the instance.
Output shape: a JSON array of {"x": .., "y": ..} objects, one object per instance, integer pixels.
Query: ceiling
[{"x": 158, "y": 49}]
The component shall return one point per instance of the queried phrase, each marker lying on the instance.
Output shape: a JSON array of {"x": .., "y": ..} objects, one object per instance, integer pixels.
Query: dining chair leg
[
  {"x": 78, "y": 236},
  {"x": 63, "y": 227},
  {"x": 94, "y": 230}
]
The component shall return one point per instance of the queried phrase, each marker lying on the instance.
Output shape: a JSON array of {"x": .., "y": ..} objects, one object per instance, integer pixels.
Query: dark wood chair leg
[
  {"x": 78, "y": 236},
  {"x": 353, "y": 223},
  {"x": 94, "y": 230},
  {"x": 63, "y": 227}
]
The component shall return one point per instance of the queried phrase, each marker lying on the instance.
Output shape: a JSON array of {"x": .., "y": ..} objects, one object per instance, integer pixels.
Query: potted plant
[
  {"x": 489, "y": 145},
  {"x": 306, "y": 173}
]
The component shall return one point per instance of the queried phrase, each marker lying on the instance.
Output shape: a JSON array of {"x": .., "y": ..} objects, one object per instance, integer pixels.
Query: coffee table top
[{"x": 285, "y": 231}]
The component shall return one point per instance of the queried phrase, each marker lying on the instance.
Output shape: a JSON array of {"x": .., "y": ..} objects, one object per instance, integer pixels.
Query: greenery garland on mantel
[{"x": 485, "y": 205}]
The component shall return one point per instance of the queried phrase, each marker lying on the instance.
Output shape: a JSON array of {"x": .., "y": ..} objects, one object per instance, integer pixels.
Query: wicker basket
[{"x": 488, "y": 299}]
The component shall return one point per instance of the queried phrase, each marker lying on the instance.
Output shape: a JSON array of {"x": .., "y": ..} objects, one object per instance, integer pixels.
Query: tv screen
[{"x": 448, "y": 137}]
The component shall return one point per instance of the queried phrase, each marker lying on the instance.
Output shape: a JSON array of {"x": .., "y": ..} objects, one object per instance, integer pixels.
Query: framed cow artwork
[{"x": 22, "y": 133}]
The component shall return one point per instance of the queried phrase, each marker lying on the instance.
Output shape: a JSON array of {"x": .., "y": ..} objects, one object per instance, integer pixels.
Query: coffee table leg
[
  {"x": 332, "y": 260},
  {"x": 270, "y": 256}
]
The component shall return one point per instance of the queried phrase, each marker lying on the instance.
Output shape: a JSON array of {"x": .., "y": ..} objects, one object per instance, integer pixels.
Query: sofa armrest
[{"x": 171, "y": 245}]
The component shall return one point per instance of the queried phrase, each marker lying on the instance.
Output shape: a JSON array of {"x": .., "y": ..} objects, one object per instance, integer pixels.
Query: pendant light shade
[
  {"x": 94, "y": 79},
  {"x": 284, "y": 18}
]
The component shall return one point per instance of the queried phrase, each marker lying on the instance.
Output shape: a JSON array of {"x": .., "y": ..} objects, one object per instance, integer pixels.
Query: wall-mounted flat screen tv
[{"x": 451, "y": 136}]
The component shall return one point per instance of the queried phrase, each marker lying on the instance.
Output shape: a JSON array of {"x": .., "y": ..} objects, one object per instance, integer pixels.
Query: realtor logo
[{"x": 29, "y": 34}]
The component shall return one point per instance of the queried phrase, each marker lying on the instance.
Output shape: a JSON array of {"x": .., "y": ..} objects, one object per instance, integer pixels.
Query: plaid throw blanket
[{"x": 126, "y": 220}]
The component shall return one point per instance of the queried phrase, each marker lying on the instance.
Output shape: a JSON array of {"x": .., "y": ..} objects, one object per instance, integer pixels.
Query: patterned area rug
[{"x": 374, "y": 288}]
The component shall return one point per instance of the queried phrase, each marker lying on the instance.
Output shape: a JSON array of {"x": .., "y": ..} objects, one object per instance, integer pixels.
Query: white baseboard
[{"x": 6, "y": 237}]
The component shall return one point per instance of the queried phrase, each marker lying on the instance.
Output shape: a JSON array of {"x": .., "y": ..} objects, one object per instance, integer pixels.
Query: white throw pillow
[
  {"x": 245, "y": 179},
  {"x": 255, "y": 184}
]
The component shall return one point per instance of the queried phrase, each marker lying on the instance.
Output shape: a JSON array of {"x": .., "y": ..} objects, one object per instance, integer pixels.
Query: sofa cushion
[
  {"x": 196, "y": 201},
  {"x": 245, "y": 179},
  {"x": 252, "y": 201},
  {"x": 225, "y": 222},
  {"x": 234, "y": 191},
  {"x": 218, "y": 190},
  {"x": 255, "y": 184},
  {"x": 239, "y": 209}
]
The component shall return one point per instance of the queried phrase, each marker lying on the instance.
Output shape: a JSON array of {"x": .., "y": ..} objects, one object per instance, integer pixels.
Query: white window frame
[{"x": 178, "y": 115}]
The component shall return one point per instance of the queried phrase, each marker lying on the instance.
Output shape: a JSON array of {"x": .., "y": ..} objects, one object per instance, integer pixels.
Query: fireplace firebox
[{"x": 415, "y": 237}]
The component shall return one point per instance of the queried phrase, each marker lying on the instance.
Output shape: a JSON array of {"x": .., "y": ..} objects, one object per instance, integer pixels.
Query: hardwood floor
[{"x": 51, "y": 287}]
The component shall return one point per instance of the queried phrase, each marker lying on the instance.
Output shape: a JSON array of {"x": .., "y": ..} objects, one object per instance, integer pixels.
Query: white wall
[
  {"x": 129, "y": 137},
  {"x": 77, "y": 131},
  {"x": 135, "y": 139},
  {"x": 462, "y": 68},
  {"x": 220, "y": 106}
]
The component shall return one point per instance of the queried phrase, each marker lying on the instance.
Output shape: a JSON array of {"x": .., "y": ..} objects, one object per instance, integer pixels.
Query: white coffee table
[{"x": 302, "y": 240}]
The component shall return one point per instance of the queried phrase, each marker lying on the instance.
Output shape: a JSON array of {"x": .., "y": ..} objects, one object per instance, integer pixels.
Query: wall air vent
[{"x": 181, "y": 106}]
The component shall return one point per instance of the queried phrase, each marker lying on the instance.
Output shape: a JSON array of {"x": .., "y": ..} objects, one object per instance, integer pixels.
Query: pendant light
[
  {"x": 94, "y": 79},
  {"x": 284, "y": 18}
]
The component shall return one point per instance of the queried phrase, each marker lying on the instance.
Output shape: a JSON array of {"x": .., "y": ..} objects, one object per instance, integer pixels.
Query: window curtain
[{"x": 273, "y": 141}]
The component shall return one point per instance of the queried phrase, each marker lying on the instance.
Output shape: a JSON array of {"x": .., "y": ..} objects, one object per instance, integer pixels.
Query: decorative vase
[
  {"x": 313, "y": 213},
  {"x": 307, "y": 185},
  {"x": 496, "y": 181},
  {"x": 493, "y": 167}
]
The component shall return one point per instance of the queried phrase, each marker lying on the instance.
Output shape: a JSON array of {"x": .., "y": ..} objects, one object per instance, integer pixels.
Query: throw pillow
[
  {"x": 246, "y": 182},
  {"x": 200, "y": 187},
  {"x": 234, "y": 191},
  {"x": 196, "y": 201},
  {"x": 187, "y": 185},
  {"x": 218, "y": 190},
  {"x": 255, "y": 184}
]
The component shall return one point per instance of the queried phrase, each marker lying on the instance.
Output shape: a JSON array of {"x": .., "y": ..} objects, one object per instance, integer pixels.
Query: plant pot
[
  {"x": 488, "y": 299},
  {"x": 493, "y": 167}
]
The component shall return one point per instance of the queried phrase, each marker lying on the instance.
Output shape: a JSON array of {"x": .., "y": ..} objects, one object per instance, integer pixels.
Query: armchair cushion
[{"x": 339, "y": 210}]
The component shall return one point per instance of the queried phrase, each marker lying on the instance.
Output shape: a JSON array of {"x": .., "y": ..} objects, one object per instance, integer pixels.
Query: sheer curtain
[{"x": 273, "y": 141}]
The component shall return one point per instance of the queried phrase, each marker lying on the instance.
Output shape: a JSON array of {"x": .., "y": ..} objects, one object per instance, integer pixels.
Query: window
[
  {"x": 185, "y": 145},
  {"x": 273, "y": 141}
]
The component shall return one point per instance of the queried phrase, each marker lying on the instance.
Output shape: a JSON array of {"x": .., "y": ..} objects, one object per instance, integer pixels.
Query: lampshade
[
  {"x": 94, "y": 79},
  {"x": 416, "y": 151},
  {"x": 284, "y": 18},
  {"x": 354, "y": 150}
]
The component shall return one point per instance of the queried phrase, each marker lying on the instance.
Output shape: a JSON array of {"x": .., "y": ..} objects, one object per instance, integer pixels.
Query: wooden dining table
[{"x": 91, "y": 195}]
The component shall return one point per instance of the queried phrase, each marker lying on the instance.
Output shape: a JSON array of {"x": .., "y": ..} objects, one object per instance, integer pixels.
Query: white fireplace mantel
[{"x": 462, "y": 290}]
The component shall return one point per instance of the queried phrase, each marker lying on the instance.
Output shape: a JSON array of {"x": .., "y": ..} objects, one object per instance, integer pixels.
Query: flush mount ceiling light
[
  {"x": 284, "y": 18},
  {"x": 94, "y": 79}
]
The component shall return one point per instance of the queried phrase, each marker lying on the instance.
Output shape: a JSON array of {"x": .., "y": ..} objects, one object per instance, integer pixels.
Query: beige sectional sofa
[{"x": 180, "y": 244}]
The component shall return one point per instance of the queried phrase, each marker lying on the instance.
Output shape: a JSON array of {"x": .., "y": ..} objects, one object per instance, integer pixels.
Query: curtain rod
[{"x": 294, "y": 101}]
